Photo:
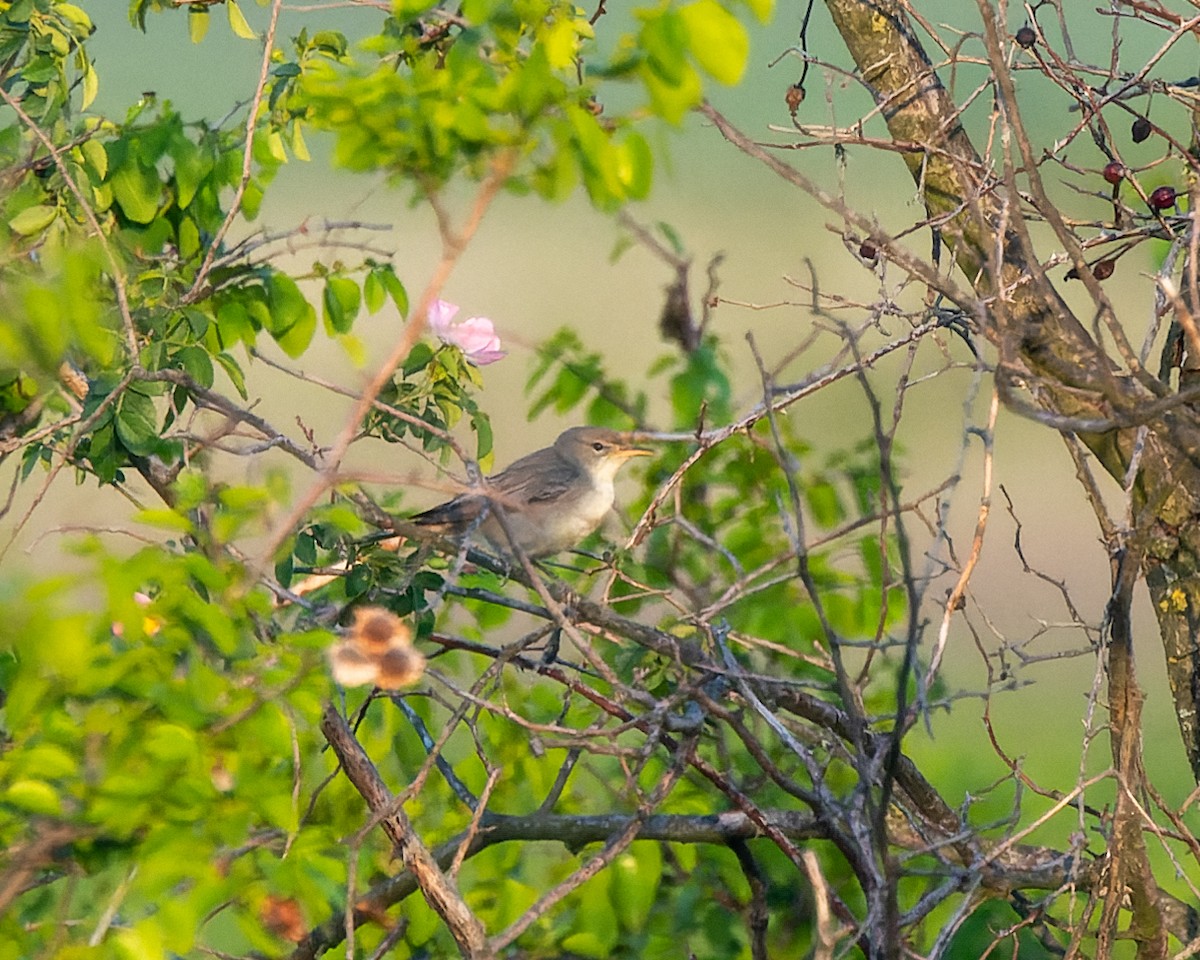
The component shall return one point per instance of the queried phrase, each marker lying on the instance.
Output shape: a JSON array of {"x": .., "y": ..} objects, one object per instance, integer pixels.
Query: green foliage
[
  {"x": 130, "y": 723},
  {"x": 432, "y": 99},
  {"x": 41, "y": 49},
  {"x": 162, "y": 713}
]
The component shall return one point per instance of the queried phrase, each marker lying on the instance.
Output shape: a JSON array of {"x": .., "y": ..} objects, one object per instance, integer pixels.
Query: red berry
[
  {"x": 1114, "y": 172},
  {"x": 1140, "y": 130},
  {"x": 1162, "y": 198},
  {"x": 1026, "y": 36}
]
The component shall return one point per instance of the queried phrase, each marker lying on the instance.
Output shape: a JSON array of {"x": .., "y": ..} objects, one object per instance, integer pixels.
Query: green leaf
[
  {"x": 91, "y": 85},
  {"x": 197, "y": 23},
  {"x": 96, "y": 157},
  {"x": 136, "y": 188},
  {"x": 359, "y": 580},
  {"x": 234, "y": 371},
  {"x": 331, "y": 42},
  {"x": 762, "y": 9},
  {"x": 33, "y": 219},
  {"x": 164, "y": 519},
  {"x": 306, "y": 549},
  {"x": 635, "y": 165},
  {"x": 636, "y": 877},
  {"x": 824, "y": 502},
  {"x": 395, "y": 288},
  {"x": 717, "y": 40},
  {"x": 33, "y": 796},
  {"x": 374, "y": 292},
  {"x": 137, "y": 423},
  {"x": 234, "y": 325},
  {"x": 664, "y": 38},
  {"x": 237, "y": 21},
  {"x": 293, "y": 319},
  {"x": 197, "y": 363},
  {"x": 341, "y": 302}
]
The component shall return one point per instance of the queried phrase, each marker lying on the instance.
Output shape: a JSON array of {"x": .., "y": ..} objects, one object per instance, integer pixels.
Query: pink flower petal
[
  {"x": 440, "y": 316},
  {"x": 475, "y": 337}
]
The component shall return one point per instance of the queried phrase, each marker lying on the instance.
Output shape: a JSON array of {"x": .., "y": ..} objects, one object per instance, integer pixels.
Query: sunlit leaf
[
  {"x": 33, "y": 219},
  {"x": 237, "y": 21}
]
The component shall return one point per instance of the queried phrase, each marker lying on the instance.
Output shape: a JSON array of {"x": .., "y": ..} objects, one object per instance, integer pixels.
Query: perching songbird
[{"x": 551, "y": 499}]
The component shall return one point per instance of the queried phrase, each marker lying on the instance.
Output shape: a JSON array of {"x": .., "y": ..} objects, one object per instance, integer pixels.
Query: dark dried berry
[
  {"x": 1026, "y": 37},
  {"x": 1162, "y": 198},
  {"x": 1140, "y": 130},
  {"x": 1104, "y": 269},
  {"x": 867, "y": 250},
  {"x": 1073, "y": 274},
  {"x": 1114, "y": 172}
]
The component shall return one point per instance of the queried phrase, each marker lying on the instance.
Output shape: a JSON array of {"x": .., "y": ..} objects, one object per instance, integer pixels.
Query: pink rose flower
[{"x": 475, "y": 336}]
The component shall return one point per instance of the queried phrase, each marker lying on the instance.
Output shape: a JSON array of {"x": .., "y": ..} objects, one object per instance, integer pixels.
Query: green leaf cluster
[
  {"x": 433, "y": 98},
  {"x": 154, "y": 726}
]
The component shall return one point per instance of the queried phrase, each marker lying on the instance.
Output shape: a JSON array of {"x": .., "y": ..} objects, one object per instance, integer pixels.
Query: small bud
[
  {"x": 1162, "y": 198},
  {"x": 1026, "y": 37},
  {"x": 1140, "y": 130},
  {"x": 1114, "y": 172},
  {"x": 793, "y": 98}
]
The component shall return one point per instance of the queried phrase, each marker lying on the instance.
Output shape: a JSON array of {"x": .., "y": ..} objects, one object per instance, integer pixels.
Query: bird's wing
[
  {"x": 456, "y": 513},
  {"x": 519, "y": 484}
]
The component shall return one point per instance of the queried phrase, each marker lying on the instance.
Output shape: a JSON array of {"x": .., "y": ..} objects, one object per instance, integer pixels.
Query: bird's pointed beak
[{"x": 630, "y": 451}]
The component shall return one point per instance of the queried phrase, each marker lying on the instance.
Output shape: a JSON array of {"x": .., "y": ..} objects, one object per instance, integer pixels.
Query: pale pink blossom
[{"x": 475, "y": 336}]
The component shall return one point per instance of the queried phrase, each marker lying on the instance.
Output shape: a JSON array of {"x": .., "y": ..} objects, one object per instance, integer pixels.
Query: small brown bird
[{"x": 551, "y": 499}]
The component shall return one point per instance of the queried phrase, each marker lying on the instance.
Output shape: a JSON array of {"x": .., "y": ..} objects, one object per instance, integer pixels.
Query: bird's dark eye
[{"x": 597, "y": 446}]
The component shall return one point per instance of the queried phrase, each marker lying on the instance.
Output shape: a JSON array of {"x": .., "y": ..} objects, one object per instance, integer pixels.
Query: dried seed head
[{"x": 399, "y": 668}]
